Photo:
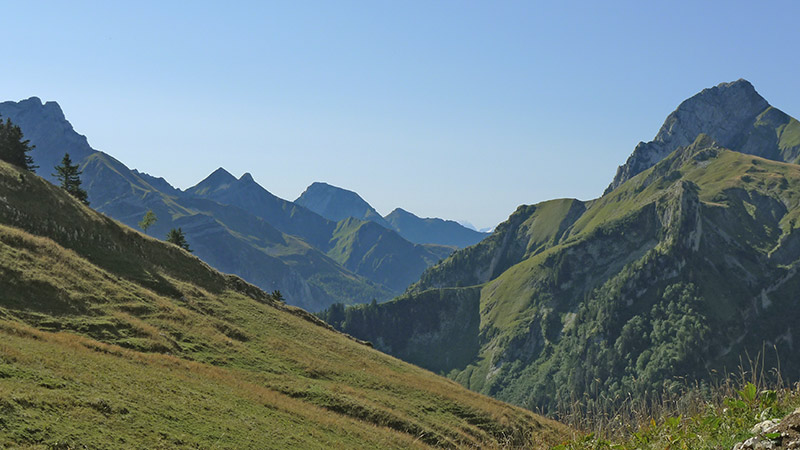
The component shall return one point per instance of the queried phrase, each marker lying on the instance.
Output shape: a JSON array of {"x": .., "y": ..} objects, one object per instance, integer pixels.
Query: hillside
[
  {"x": 270, "y": 242},
  {"x": 432, "y": 230},
  {"x": 672, "y": 276},
  {"x": 680, "y": 271},
  {"x": 131, "y": 342},
  {"x": 382, "y": 255},
  {"x": 363, "y": 247},
  {"x": 286, "y": 216}
]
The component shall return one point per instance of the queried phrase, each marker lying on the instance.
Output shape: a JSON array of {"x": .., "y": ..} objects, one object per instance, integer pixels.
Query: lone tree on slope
[
  {"x": 148, "y": 220},
  {"x": 177, "y": 237},
  {"x": 70, "y": 177},
  {"x": 13, "y": 148}
]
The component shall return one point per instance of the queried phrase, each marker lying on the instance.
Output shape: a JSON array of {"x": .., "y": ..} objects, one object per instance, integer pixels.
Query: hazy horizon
[{"x": 451, "y": 110}]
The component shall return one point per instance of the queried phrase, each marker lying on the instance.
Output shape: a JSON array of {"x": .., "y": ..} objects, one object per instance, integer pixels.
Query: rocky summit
[{"x": 734, "y": 115}]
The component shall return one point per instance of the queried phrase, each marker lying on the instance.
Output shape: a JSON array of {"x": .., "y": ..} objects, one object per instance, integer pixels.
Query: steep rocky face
[
  {"x": 432, "y": 230},
  {"x": 45, "y": 125},
  {"x": 734, "y": 115},
  {"x": 335, "y": 203}
]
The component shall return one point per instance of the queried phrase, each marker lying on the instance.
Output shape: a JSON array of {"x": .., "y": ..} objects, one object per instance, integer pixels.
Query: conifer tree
[
  {"x": 177, "y": 237},
  {"x": 70, "y": 177},
  {"x": 148, "y": 220},
  {"x": 13, "y": 148}
]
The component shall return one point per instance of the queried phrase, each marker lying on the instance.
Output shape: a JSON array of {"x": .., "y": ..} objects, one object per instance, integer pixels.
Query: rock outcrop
[
  {"x": 774, "y": 434},
  {"x": 732, "y": 114},
  {"x": 45, "y": 125}
]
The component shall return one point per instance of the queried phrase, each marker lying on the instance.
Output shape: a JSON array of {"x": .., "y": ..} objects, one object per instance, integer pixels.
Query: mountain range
[
  {"x": 112, "y": 339},
  {"x": 239, "y": 227},
  {"x": 685, "y": 266},
  {"x": 336, "y": 204}
]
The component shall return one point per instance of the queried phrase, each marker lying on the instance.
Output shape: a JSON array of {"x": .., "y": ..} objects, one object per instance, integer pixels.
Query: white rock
[{"x": 765, "y": 426}]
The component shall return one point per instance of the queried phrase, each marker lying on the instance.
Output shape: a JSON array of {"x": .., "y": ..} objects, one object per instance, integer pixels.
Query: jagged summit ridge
[{"x": 733, "y": 114}]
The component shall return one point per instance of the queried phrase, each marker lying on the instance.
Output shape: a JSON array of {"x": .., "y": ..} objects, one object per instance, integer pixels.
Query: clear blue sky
[{"x": 461, "y": 110}]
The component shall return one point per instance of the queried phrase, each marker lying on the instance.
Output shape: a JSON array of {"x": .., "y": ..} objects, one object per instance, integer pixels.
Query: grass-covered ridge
[
  {"x": 676, "y": 273},
  {"x": 131, "y": 342},
  {"x": 371, "y": 250}
]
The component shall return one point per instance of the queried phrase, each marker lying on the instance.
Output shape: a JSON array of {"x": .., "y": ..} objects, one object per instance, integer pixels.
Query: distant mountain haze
[
  {"x": 236, "y": 225},
  {"x": 228, "y": 237},
  {"x": 336, "y": 203},
  {"x": 433, "y": 230},
  {"x": 362, "y": 246},
  {"x": 284, "y": 215},
  {"x": 45, "y": 125}
]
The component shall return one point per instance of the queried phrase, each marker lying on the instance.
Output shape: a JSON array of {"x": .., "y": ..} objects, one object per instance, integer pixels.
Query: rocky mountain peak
[
  {"x": 221, "y": 176},
  {"x": 218, "y": 179},
  {"x": 45, "y": 125},
  {"x": 31, "y": 102},
  {"x": 34, "y": 106},
  {"x": 400, "y": 212},
  {"x": 727, "y": 113},
  {"x": 718, "y": 111},
  {"x": 335, "y": 203}
]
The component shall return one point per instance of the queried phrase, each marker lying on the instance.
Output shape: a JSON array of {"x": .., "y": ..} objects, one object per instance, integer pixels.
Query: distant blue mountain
[
  {"x": 337, "y": 204},
  {"x": 432, "y": 230}
]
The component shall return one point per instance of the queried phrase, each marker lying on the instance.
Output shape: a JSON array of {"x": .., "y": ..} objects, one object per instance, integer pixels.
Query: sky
[{"x": 454, "y": 109}]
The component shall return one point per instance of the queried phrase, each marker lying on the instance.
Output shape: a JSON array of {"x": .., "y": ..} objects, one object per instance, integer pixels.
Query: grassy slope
[
  {"x": 380, "y": 254},
  {"x": 523, "y": 295},
  {"x": 129, "y": 341},
  {"x": 528, "y": 231},
  {"x": 714, "y": 420},
  {"x": 722, "y": 222}
]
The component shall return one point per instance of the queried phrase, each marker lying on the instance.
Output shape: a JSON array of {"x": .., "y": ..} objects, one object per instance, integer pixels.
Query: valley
[{"x": 685, "y": 267}]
